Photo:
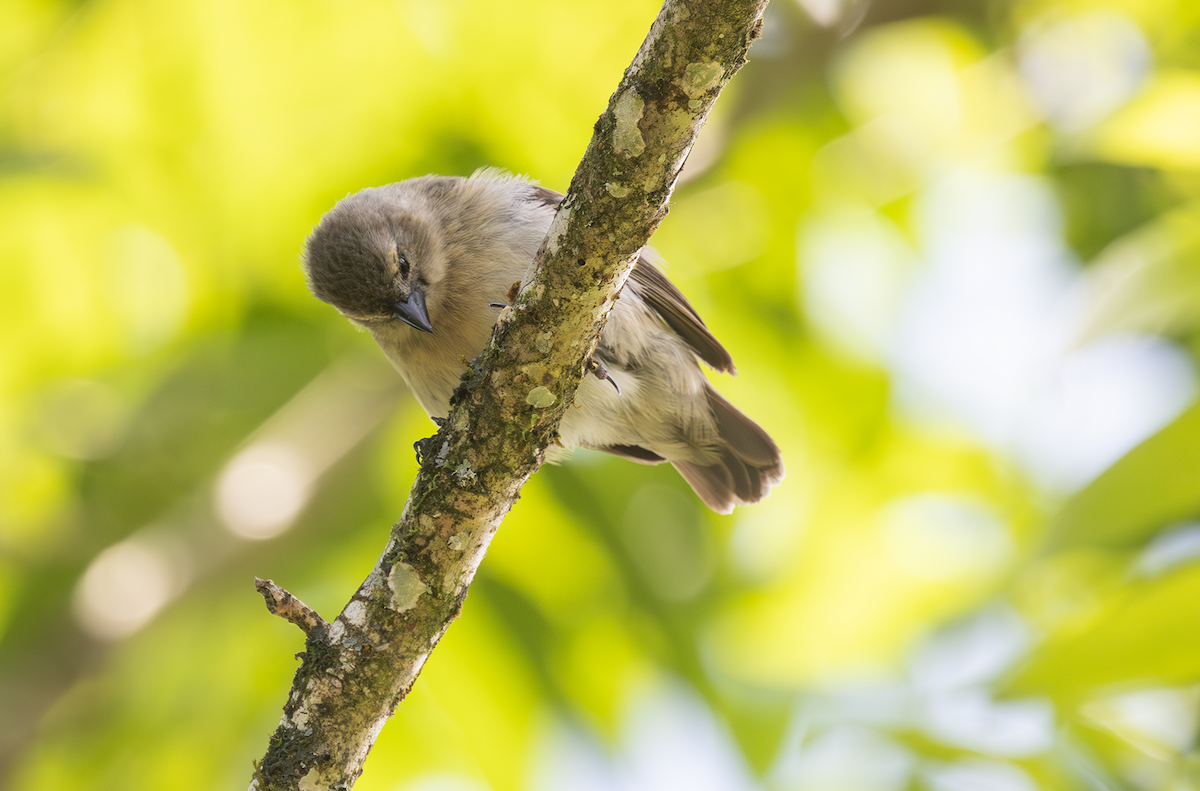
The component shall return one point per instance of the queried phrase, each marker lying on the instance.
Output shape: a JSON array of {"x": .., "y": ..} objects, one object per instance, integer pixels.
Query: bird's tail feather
[{"x": 748, "y": 462}]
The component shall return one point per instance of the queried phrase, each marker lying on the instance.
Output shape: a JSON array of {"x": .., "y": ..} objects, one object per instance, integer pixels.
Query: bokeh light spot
[
  {"x": 123, "y": 588},
  {"x": 262, "y": 490},
  {"x": 942, "y": 537}
]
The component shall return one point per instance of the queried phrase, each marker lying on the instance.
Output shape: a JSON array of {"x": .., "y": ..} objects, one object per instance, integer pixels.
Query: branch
[{"x": 508, "y": 409}]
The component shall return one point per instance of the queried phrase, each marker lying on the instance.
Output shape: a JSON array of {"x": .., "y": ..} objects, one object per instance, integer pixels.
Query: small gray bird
[{"x": 421, "y": 265}]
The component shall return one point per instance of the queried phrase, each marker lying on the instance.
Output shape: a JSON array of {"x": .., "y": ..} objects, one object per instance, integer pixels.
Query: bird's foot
[
  {"x": 513, "y": 291},
  {"x": 423, "y": 447},
  {"x": 598, "y": 370}
]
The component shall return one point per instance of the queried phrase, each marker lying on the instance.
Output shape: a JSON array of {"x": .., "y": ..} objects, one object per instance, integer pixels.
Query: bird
[{"x": 422, "y": 265}]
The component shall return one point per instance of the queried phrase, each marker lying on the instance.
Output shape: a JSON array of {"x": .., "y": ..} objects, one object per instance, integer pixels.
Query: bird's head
[{"x": 375, "y": 258}]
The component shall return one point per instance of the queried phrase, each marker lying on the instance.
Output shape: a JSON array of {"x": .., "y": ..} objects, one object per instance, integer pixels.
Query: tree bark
[{"x": 357, "y": 668}]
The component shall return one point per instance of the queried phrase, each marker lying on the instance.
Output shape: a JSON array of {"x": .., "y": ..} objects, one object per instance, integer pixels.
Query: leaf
[
  {"x": 1145, "y": 635},
  {"x": 1155, "y": 484},
  {"x": 1148, "y": 280},
  {"x": 1158, "y": 127}
]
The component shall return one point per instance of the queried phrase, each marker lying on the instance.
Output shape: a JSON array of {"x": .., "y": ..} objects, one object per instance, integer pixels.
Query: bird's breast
[{"x": 432, "y": 365}]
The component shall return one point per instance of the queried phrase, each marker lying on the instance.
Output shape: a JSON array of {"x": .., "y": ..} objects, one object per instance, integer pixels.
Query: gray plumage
[{"x": 417, "y": 265}]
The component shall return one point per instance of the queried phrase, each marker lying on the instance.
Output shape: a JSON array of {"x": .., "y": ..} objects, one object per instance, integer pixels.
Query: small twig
[{"x": 287, "y": 606}]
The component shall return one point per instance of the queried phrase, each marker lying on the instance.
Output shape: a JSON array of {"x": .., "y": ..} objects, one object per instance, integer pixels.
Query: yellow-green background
[{"x": 160, "y": 166}]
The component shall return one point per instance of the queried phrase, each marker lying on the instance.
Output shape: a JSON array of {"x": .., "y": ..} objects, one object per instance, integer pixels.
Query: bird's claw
[
  {"x": 422, "y": 446},
  {"x": 600, "y": 372},
  {"x": 421, "y": 449}
]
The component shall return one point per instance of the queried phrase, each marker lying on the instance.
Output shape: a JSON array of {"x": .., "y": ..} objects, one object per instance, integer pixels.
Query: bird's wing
[{"x": 661, "y": 294}]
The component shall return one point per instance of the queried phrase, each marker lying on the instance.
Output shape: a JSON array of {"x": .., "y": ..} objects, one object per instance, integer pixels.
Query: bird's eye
[{"x": 405, "y": 267}]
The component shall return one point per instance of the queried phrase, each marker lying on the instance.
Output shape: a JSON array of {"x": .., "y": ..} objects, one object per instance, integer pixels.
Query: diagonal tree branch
[{"x": 507, "y": 412}]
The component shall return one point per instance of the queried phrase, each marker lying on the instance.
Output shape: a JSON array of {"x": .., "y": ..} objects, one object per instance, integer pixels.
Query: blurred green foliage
[{"x": 979, "y": 573}]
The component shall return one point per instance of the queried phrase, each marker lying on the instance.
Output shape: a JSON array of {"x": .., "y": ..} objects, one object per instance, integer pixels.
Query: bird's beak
[{"x": 412, "y": 311}]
